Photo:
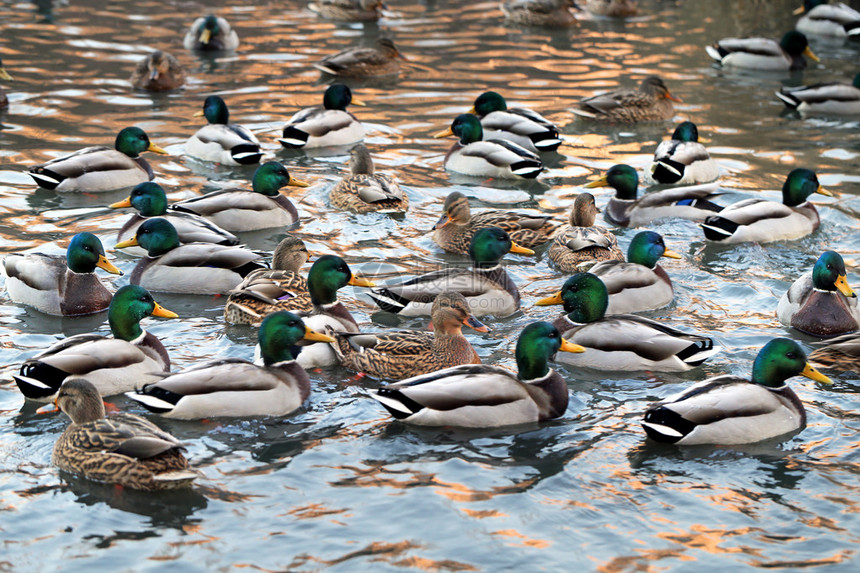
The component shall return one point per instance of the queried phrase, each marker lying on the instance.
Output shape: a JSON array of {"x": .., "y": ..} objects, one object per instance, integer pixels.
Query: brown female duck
[
  {"x": 581, "y": 244},
  {"x": 652, "y": 101}
]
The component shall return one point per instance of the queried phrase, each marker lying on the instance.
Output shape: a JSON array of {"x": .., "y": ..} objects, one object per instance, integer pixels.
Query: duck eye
[{"x": 791, "y": 355}]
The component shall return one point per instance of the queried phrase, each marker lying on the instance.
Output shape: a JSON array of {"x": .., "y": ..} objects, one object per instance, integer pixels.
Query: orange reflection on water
[{"x": 522, "y": 539}]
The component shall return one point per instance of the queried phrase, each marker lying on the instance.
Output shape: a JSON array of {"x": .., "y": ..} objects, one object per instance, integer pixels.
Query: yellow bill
[
  {"x": 108, "y": 266},
  {"x": 315, "y": 336},
  {"x": 551, "y": 300},
  {"x": 813, "y": 374},
  {"x": 571, "y": 347},
  {"x": 163, "y": 312}
]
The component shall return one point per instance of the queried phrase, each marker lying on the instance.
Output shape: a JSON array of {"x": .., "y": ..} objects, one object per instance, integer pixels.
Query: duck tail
[
  {"x": 665, "y": 425},
  {"x": 396, "y": 402},
  {"x": 788, "y": 99},
  {"x": 718, "y": 228},
  {"x": 387, "y": 300}
]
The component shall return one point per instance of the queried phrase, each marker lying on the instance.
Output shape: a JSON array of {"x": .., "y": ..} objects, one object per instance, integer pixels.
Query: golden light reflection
[{"x": 522, "y": 539}]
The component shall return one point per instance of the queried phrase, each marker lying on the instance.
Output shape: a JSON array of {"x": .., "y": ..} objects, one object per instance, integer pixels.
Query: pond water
[{"x": 338, "y": 484}]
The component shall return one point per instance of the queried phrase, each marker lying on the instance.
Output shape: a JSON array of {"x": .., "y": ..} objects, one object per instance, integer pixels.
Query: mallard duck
[
  {"x": 638, "y": 284},
  {"x": 364, "y": 191},
  {"x": 236, "y": 387},
  {"x": 622, "y": 341},
  {"x": 611, "y": 8},
  {"x": 766, "y": 221},
  {"x": 730, "y": 410},
  {"x": 383, "y": 59},
  {"x": 211, "y": 33},
  {"x": 4, "y": 75},
  {"x": 221, "y": 141},
  {"x": 520, "y": 125},
  {"x": 493, "y": 158},
  {"x": 549, "y": 13},
  {"x": 625, "y": 209},
  {"x": 327, "y": 126},
  {"x": 241, "y": 210},
  {"x": 158, "y": 72},
  {"x": 455, "y": 229},
  {"x": 483, "y": 396},
  {"x": 581, "y": 244},
  {"x": 265, "y": 291},
  {"x": 683, "y": 160},
  {"x": 838, "y": 98},
  {"x": 194, "y": 268},
  {"x": 763, "y": 53},
  {"x": 402, "y": 354},
  {"x": 841, "y": 353},
  {"x": 123, "y": 449},
  {"x": 348, "y": 10},
  {"x": 113, "y": 365},
  {"x": 100, "y": 168},
  {"x": 821, "y": 302},
  {"x": 61, "y": 285},
  {"x": 652, "y": 101},
  {"x": 824, "y": 19},
  {"x": 487, "y": 286}
]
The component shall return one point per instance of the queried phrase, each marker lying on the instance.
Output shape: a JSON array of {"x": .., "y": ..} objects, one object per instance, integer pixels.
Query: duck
[
  {"x": 364, "y": 191},
  {"x": 836, "y": 98},
  {"x": 158, "y": 72},
  {"x": 683, "y": 160},
  {"x": 611, "y": 8},
  {"x": 61, "y": 285},
  {"x": 211, "y": 33},
  {"x": 824, "y": 19},
  {"x": 348, "y": 10},
  {"x": 193, "y": 268},
  {"x": 484, "y": 396},
  {"x": 841, "y": 354},
  {"x": 457, "y": 225},
  {"x": 402, "y": 354},
  {"x": 113, "y": 365},
  {"x": 100, "y": 168},
  {"x": 4, "y": 75},
  {"x": 221, "y": 141},
  {"x": 498, "y": 158},
  {"x": 237, "y": 387},
  {"x": 626, "y": 209},
  {"x": 652, "y": 101},
  {"x": 731, "y": 410},
  {"x": 487, "y": 286},
  {"x": 766, "y": 221},
  {"x": 547, "y": 13},
  {"x": 327, "y": 126},
  {"x": 638, "y": 284},
  {"x": 763, "y": 54},
  {"x": 240, "y": 210},
  {"x": 623, "y": 341},
  {"x": 122, "y": 449},
  {"x": 523, "y": 126},
  {"x": 265, "y": 291},
  {"x": 821, "y": 302},
  {"x": 382, "y": 59},
  {"x": 581, "y": 244}
]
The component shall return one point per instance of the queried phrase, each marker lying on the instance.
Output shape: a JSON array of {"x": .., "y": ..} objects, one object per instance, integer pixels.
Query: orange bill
[
  {"x": 120, "y": 204},
  {"x": 360, "y": 281},
  {"x": 551, "y": 300},
  {"x": 163, "y": 312},
  {"x": 107, "y": 265},
  {"x": 315, "y": 336},
  {"x": 515, "y": 248},
  {"x": 571, "y": 347}
]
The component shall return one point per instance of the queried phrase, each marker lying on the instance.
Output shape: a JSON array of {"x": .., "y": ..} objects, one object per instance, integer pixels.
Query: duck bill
[
  {"x": 671, "y": 254},
  {"x": 443, "y": 220},
  {"x": 673, "y": 98},
  {"x": 571, "y": 347},
  {"x": 843, "y": 286},
  {"x": 475, "y": 324},
  {"x": 163, "y": 312},
  {"x": 155, "y": 149},
  {"x": 198, "y": 114},
  {"x": 515, "y": 248},
  {"x": 4, "y": 75},
  {"x": 799, "y": 11},
  {"x": 602, "y": 182},
  {"x": 444, "y": 133},
  {"x": 551, "y": 300},
  {"x": 810, "y": 372},
  {"x": 361, "y": 281},
  {"x": 205, "y": 36},
  {"x": 822, "y": 191},
  {"x": 810, "y": 54},
  {"x": 108, "y": 266},
  {"x": 357, "y": 102},
  {"x": 298, "y": 182},
  {"x": 132, "y": 242},
  {"x": 315, "y": 336},
  {"x": 50, "y": 408},
  {"x": 120, "y": 204}
]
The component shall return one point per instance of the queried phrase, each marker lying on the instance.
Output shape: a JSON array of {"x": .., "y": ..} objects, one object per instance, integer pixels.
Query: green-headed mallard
[
  {"x": 763, "y": 54},
  {"x": 61, "y": 285},
  {"x": 638, "y": 284},
  {"x": 765, "y": 221},
  {"x": 837, "y": 98},
  {"x": 487, "y": 286},
  {"x": 499, "y": 158},
  {"x": 841, "y": 353},
  {"x": 122, "y": 449},
  {"x": 348, "y": 10},
  {"x": 100, "y": 168},
  {"x": 240, "y": 210},
  {"x": 824, "y": 19},
  {"x": 623, "y": 341},
  {"x": 457, "y": 225},
  {"x": 327, "y": 126},
  {"x": 611, "y": 8},
  {"x": 401, "y": 354},
  {"x": 626, "y": 209},
  {"x": 549, "y": 13},
  {"x": 114, "y": 365},
  {"x": 730, "y": 410},
  {"x": 652, "y": 101},
  {"x": 158, "y": 72},
  {"x": 221, "y": 141},
  {"x": 364, "y": 191},
  {"x": 483, "y": 396},
  {"x": 683, "y": 160},
  {"x": 265, "y": 291},
  {"x": 382, "y": 59},
  {"x": 194, "y": 268},
  {"x": 236, "y": 387},
  {"x": 520, "y": 125},
  {"x": 821, "y": 302},
  {"x": 4, "y": 75},
  {"x": 581, "y": 243},
  {"x": 211, "y": 33}
]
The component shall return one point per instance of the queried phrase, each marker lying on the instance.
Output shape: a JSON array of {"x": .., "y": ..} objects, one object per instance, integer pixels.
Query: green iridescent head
[
  {"x": 328, "y": 274},
  {"x": 271, "y": 176},
  {"x": 686, "y": 131},
  {"x": 829, "y": 274},
  {"x": 538, "y": 344},
  {"x": 337, "y": 96},
  {"x": 489, "y": 102},
  {"x": 489, "y": 245},
  {"x": 585, "y": 298},
  {"x": 647, "y": 247},
  {"x": 779, "y": 360},
  {"x": 215, "y": 110},
  {"x": 129, "y": 305},
  {"x": 622, "y": 178},
  {"x": 133, "y": 141},
  {"x": 468, "y": 128},
  {"x": 149, "y": 199},
  {"x": 799, "y": 185},
  {"x": 279, "y": 334},
  {"x": 157, "y": 236},
  {"x": 85, "y": 252}
]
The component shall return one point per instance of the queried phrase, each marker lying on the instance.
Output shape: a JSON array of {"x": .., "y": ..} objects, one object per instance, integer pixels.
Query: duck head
[
  {"x": 129, "y": 305},
  {"x": 780, "y": 359},
  {"x": 279, "y": 332},
  {"x": 489, "y": 245},
  {"x": 328, "y": 274},
  {"x": 622, "y": 178},
  {"x": 539, "y": 342},
  {"x": 647, "y": 247},
  {"x": 85, "y": 252},
  {"x": 148, "y": 198},
  {"x": 271, "y": 176},
  {"x": 829, "y": 274}
]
